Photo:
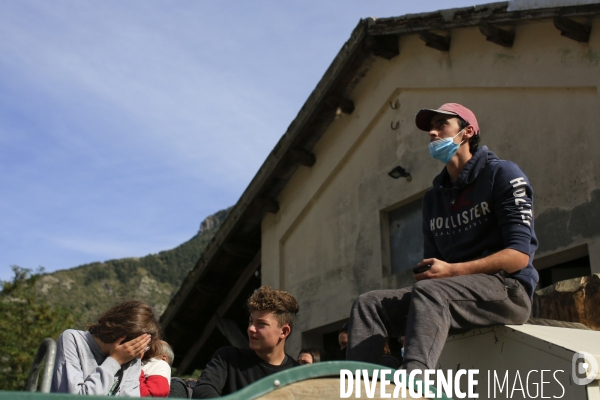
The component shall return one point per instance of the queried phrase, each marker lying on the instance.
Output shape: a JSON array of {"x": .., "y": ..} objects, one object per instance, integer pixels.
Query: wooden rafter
[
  {"x": 384, "y": 46},
  {"x": 267, "y": 205},
  {"x": 186, "y": 363},
  {"x": 435, "y": 41},
  {"x": 239, "y": 250},
  {"x": 572, "y": 29},
  {"x": 303, "y": 157},
  {"x": 497, "y": 35},
  {"x": 335, "y": 102}
]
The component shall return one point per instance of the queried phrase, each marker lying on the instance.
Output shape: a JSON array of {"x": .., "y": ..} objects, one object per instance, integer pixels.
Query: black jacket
[{"x": 232, "y": 369}]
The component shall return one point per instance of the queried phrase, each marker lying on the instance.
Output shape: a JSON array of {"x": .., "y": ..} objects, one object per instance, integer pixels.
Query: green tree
[{"x": 25, "y": 320}]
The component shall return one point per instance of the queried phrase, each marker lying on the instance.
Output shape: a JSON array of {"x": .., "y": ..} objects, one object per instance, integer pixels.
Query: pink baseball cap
[{"x": 424, "y": 116}]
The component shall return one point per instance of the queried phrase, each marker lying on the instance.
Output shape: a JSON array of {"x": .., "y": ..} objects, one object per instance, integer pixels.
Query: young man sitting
[
  {"x": 272, "y": 315},
  {"x": 479, "y": 245}
]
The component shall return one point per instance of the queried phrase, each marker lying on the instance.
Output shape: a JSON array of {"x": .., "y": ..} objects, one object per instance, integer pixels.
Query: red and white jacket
[{"x": 155, "y": 379}]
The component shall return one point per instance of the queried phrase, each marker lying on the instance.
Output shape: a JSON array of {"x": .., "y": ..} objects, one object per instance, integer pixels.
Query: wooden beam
[
  {"x": 267, "y": 205},
  {"x": 497, "y": 35},
  {"x": 186, "y": 363},
  {"x": 232, "y": 333},
  {"x": 384, "y": 46},
  {"x": 303, "y": 157},
  {"x": 572, "y": 29},
  {"x": 240, "y": 250},
  {"x": 435, "y": 41},
  {"x": 184, "y": 328},
  {"x": 335, "y": 102}
]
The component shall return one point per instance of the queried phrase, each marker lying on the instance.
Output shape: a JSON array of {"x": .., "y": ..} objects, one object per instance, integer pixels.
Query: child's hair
[
  {"x": 162, "y": 349},
  {"x": 168, "y": 351},
  {"x": 282, "y": 305},
  {"x": 130, "y": 319}
]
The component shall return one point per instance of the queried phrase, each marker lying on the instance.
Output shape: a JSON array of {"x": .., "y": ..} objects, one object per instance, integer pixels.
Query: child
[{"x": 155, "y": 380}]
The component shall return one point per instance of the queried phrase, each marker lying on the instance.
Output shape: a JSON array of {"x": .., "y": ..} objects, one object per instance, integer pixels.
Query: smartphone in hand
[{"x": 421, "y": 269}]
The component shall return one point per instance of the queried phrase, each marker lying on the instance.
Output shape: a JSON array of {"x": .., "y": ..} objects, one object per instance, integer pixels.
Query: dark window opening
[
  {"x": 326, "y": 338},
  {"x": 332, "y": 347},
  {"x": 567, "y": 270},
  {"x": 406, "y": 236}
]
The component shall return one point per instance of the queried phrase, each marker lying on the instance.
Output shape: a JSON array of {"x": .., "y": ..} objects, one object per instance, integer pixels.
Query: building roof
[{"x": 229, "y": 266}]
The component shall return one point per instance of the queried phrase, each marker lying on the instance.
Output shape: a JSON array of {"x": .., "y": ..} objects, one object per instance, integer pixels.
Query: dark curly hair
[
  {"x": 281, "y": 304},
  {"x": 474, "y": 141},
  {"x": 130, "y": 319}
]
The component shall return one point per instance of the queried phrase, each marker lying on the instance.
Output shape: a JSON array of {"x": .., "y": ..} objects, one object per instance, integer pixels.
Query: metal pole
[{"x": 46, "y": 351}]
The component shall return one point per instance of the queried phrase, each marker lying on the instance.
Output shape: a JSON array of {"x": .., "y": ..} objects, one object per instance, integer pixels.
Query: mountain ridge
[{"x": 89, "y": 289}]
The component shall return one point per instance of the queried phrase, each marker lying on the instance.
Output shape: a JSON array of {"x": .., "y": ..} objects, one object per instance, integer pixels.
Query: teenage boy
[
  {"x": 478, "y": 249},
  {"x": 272, "y": 315}
]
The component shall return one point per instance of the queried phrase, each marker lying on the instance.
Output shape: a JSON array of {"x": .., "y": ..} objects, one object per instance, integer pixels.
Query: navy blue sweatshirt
[{"x": 489, "y": 208}]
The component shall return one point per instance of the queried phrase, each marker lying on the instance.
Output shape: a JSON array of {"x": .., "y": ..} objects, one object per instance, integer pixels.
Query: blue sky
[{"x": 123, "y": 124}]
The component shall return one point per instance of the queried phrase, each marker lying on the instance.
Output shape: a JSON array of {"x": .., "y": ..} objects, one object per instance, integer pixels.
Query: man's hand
[
  {"x": 439, "y": 269},
  {"x": 125, "y": 352},
  {"x": 508, "y": 260}
]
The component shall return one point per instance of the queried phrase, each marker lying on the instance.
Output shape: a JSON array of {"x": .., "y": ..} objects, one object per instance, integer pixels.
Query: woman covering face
[{"x": 105, "y": 359}]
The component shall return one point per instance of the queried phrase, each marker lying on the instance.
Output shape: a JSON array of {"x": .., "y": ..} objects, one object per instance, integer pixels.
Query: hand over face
[
  {"x": 439, "y": 269},
  {"x": 125, "y": 352}
]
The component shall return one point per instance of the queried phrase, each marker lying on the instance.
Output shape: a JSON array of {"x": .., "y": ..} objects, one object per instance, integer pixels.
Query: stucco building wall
[{"x": 537, "y": 104}]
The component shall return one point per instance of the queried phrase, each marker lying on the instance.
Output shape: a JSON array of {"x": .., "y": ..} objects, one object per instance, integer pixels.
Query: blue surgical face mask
[{"x": 444, "y": 149}]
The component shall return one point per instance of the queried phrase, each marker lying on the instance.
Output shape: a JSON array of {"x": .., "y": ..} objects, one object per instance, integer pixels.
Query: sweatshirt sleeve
[
  {"x": 68, "y": 373},
  {"x": 154, "y": 386},
  {"x": 213, "y": 378},
  {"x": 513, "y": 197}
]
